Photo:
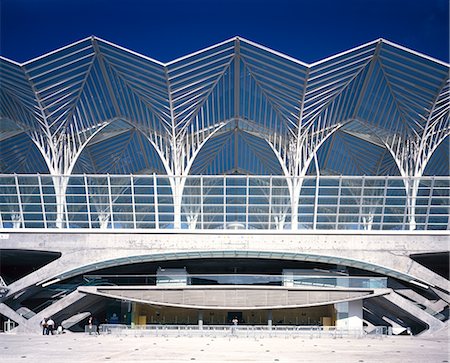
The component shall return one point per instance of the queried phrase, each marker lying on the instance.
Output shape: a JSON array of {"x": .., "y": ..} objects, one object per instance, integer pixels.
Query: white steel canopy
[
  {"x": 93, "y": 93},
  {"x": 233, "y": 108}
]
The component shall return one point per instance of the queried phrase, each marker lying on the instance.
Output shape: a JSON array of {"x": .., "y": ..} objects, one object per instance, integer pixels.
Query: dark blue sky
[{"x": 166, "y": 29}]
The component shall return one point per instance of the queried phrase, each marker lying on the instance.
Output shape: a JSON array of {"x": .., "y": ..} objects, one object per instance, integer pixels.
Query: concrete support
[
  {"x": 406, "y": 305},
  {"x": 269, "y": 319},
  {"x": 33, "y": 323},
  {"x": 349, "y": 315},
  {"x": 200, "y": 319},
  {"x": 435, "y": 306},
  {"x": 5, "y": 310}
]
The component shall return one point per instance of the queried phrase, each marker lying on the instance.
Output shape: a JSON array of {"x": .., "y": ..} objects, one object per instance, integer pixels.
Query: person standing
[
  {"x": 44, "y": 326},
  {"x": 235, "y": 323},
  {"x": 50, "y": 326}
]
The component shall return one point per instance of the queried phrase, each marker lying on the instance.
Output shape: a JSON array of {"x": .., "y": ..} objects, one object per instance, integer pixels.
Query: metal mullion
[
  {"x": 110, "y": 201},
  {"x": 61, "y": 107},
  {"x": 224, "y": 99},
  {"x": 270, "y": 201},
  {"x": 316, "y": 201},
  {"x": 44, "y": 216},
  {"x": 361, "y": 198},
  {"x": 272, "y": 103},
  {"x": 58, "y": 59},
  {"x": 192, "y": 102},
  {"x": 155, "y": 199},
  {"x": 337, "y": 84},
  {"x": 274, "y": 58},
  {"x": 122, "y": 52},
  {"x": 413, "y": 86},
  {"x": 335, "y": 70},
  {"x": 88, "y": 91},
  {"x": 61, "y": 74},
  {"x": 106, "y": 77},
  {"x": 215, "y": 92},
  {"x": 188, "y": 89},
  {"x": 338, "y": 203},
  {"x": 224, "y": 202},
  {"x": 280, "y": 80},
  {"x": 247, "y": 201},
  {"x": 345, "y": 104},
  {"x": 275, "y": 91},
  {"x": 88, "y": 201},
  {"x": 66, "y": 212},
  {"x": 141, "y": 75},
  {"x": 410, "y": 78},
  {"x": 314, "y": 113},
  {"x": 63, "y": 81},
  {"x": 202, "y": 217},
  {"x": 327, "y": 86},
  {"x": 94, "y": 90},
  {"x": 133, "y": 204},
  {"x": 133, "y": 106},
  {"x": 174, "y": 69},
  {"x": 430, "y": 197},
  {"x": 322, "y": 98},
  {"x": 412, "y": 60},
  {"x": 54, "y": 95},
  {"x": 383, "y": 208},
  {"x": 414, "y": 70},
  {"x": 141, "y": 80},
  {"x": 89, "y": 95},
  {"x": 10, "y": 79},
  {"x": 346, "y": 56},
  {"x": 123, "y": 97},
  {"x": 193, "y": 74},
  {"x": 407, "y": 203},
  {"x": 380, "y": 89},
  {"x": 407, "y": 107}
]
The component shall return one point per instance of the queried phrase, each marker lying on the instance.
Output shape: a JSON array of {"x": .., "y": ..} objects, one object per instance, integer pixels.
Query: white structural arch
[
  {"x": 239, "y": 174},
  {"x": 396, "y": 97}
]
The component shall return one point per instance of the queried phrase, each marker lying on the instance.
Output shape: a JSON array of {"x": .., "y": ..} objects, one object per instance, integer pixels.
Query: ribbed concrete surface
[{"x": 82, "y": 348}]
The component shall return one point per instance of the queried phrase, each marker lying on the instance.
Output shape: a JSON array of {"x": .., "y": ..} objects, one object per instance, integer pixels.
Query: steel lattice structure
[
  {"x": 234, "y": 108},
  {"x": 253, "y": 181}
]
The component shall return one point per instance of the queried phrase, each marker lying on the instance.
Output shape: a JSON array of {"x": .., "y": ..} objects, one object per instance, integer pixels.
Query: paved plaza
[{"x": 81, "y": 348}]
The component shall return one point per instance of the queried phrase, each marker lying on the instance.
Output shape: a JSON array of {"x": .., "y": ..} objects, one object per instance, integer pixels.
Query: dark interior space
[
  {"x": 15, "y": 264},
  {"x": 437, "y": 262}
]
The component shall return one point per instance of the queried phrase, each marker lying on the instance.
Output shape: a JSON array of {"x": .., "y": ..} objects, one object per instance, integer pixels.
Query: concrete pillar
[
  {"x": 349, "y": 315},
  {"x": 269, "y": 319},
  {"x": 200, "y": 319}
]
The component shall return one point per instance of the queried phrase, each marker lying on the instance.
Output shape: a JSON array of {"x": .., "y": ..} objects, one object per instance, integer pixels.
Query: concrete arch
[{"x": 307, "y": 257}]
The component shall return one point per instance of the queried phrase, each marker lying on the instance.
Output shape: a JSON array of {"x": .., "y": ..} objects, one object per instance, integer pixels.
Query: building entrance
[
  {"x": 234, "y": 314},
  {"x": 318, "y": 315}
]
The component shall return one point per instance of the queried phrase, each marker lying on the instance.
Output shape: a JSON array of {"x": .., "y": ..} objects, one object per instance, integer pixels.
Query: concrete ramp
[
  {"x": 406, "y": 305},
  {"x": 33, "y": 324},
  {"x": 74, "y": 319}
]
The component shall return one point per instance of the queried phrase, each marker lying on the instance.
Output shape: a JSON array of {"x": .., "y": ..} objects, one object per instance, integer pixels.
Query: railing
[
  {"x": 222, "y": 202},
  {"x": 310, "y": 331},
  {"x": 241, "y": 279}
]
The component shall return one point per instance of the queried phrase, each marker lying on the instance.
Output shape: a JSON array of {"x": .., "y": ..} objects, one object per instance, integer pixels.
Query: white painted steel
[{"x": 222, "y": 202}]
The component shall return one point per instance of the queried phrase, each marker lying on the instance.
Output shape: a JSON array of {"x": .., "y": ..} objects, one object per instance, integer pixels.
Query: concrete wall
[{"x": 377, "y": 250}]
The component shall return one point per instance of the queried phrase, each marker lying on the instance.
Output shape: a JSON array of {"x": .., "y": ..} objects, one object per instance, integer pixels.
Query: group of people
[{"x": 48, "y": 327}]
